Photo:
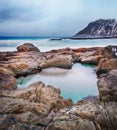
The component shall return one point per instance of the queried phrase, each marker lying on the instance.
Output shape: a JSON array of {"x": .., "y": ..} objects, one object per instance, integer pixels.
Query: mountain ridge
[{"x": 99, "y": 29}]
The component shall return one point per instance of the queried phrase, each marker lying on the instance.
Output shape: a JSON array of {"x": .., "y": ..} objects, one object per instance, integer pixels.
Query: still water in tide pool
[{"x": 76, "y": 83}]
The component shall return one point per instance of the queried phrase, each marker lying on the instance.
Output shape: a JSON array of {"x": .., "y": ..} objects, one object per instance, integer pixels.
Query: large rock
[
  {"x": 91, "y": 59},
  {"x": 24, "y": 63},
  {"x": 107, "y": 86},
  {"x": 107, "y": 52},
  {"x": 33, "y": 107},
  {"x": 60, "y": 61},
  {"x": 40, "y": 107},
  {"x": 86, "y": 55},
  {"x": 95, "y": 56},
  {"x": 9, "y": 122},
  {"x": 27, "y": 47},
  {"x": 7, "y": 80},
  {"x": 86, "y": 115},
  {"x": 107, "y": 63},
  {"x": 40, "y": 93}
]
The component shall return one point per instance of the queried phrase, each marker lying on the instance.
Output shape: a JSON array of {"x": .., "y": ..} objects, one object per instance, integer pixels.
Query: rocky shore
[{"x": 41, "y": 107}]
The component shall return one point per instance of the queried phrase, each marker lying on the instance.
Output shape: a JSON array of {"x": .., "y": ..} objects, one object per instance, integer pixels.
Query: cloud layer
[{"x": 51, "y": 17}]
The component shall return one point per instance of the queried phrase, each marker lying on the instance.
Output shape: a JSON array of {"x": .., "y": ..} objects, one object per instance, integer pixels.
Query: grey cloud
[
  {"x": 10, "y": 10},
  {"x": 51, "y": 17}
]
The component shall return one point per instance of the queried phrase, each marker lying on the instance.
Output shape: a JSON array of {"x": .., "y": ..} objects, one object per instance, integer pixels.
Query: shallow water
[{"x": 76, "y": 83}]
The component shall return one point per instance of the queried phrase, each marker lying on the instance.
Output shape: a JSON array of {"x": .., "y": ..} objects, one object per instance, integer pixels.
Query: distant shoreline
[
  {"x": 84, "y": 38},
  {"x": 54, "y": 38}
]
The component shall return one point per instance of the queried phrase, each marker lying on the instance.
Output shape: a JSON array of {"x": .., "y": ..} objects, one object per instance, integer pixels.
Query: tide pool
[{"x": 76, "y": 83}]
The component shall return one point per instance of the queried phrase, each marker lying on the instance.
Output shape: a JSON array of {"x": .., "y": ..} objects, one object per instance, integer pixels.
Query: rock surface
[
  {"x": 24, "y": 63},
  {"x": 86, "y": 115},
  {"x": 93, "y": 55},
  {"x": 99, "y": 28},
  {"x": 7, "y": 80},
  {"x": 107, "y": 86},
  {"x": 106, "y": 52},
  {"x": 40, "y": 107},
  {"x": 27, "y": 47},
  {"x": 108, "y": 63},
  {"x": 33, "y": 107},
  {"x": 91, "y": 59},
  {"x": 60, "y": 61}
]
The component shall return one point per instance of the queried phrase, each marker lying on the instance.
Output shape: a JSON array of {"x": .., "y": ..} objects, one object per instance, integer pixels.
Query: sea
[{"x": 76, "y": 83}]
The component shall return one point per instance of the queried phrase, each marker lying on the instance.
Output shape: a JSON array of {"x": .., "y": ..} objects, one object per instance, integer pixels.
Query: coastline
[
  {"x": 46, "y": 44},
  {"x": 44, "y": 103},
  {"x": 58, "y": 65},
  {"x": 80, "y": 37},
  {"x": 85, "y": 38}
]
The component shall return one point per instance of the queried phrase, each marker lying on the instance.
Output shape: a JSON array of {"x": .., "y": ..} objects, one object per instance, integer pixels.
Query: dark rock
[
  {"x": 90, "y": 97},
  {"x": 112, "y": 50},
  {"x": 102, "y": 72}
]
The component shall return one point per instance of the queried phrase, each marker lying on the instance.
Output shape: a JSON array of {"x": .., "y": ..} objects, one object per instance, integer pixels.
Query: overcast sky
[{"x": 52, "y": 17}]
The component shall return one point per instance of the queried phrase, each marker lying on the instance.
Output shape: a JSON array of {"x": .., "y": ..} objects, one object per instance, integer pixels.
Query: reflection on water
[{"x": 76, "y": 83}]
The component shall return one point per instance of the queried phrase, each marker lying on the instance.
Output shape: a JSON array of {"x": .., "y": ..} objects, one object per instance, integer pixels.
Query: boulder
[
  {"x": 9, "y": 122},
  {"x": 34, "y": 106},
  {"x": 106, "y": 63},
  {"x": 107, "y": 86},
  {"x": 86, "y": 115},
  {"x": 60, "y": 61},
  {"x": 39, "y": 93},
  {"x": 24, "y": 63},
  {"x": 112, "y": 49},
  {"x": 7, "y": 80},
  {"x": 71, "y": 122},
  {"x": 106, "y": 52},
  {"x": 27, "y": 47},
  {"x": 91, "y": 59},
  {"x": 94, "y": 55}
]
